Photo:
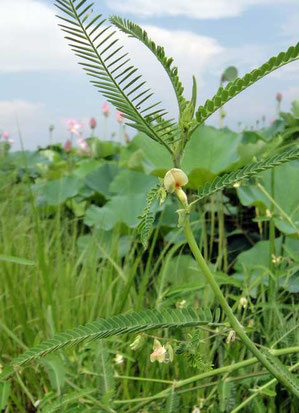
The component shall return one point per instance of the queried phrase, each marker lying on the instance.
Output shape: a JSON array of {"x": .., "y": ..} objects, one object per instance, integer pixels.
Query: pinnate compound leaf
[
  {"x": 233, "y": 88},
  {"x": 133, "y": 30},
  {"x": 252, "y": 169},
  {"x": 172, "y": 402},
  {"x": 116, "y": 78},
  {"x": 120, "y": 324},
  {"x": 147, "y": 218}
]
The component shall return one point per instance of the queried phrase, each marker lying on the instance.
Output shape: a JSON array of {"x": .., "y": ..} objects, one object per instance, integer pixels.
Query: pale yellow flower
[
  {"x": 174, "y": 179},
  {"x": 243, "y": 302},
  {"x": 159, "y": 353}
]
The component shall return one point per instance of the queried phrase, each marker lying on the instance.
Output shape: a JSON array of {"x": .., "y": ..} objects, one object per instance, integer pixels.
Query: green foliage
[
  {"x": 172, "y": 402},
  {"x": 106, "y": 373},
  {"x": 69, "y": 398},
  {"x": 230, "y": 74},
  {"x": 96, "y": 45},
  {"x": 16, "y": 260},
  {"x": 232, "y": 89},
  {"x": 248, "y": 171},
  {"x": 56, "y": 371},
  {"x": 147, "y": 218},
  {"x": 5, "y": 389},
  {"x": 121, "y": 324},
  {"x": 284, "y": 188}
]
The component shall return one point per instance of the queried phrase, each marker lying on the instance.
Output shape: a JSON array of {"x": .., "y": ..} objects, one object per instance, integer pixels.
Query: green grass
[{"x": 67, "y": 287}]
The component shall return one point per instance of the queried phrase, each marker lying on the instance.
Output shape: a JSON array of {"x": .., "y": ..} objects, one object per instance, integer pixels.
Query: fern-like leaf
[
  {"x": 120, "y": 324},
  {"x": 147, "y": 217},
  {"x": 133, "y": 30},
  {"x": 232, "y": 89},
  {"x": 172, "y": 402},
  {"x": 252, "y": 169},
  {"x": 114, "y": 76}
]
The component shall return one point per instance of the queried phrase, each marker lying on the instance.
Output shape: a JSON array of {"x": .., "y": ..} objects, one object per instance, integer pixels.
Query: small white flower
[
  {"x": 237, "y": 184},
  {"x": 118, "y": 359},
  {"x": 181, "y": 304}
]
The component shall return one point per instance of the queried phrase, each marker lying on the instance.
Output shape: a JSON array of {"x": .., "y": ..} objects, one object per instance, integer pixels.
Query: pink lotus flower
[
  {"x": 278, "y": 97},
  {"x": 74, "y": 126},
  {"x": 119, "y": 117},
  {"x": 105, "y": 109},
  {"x": 5, "y": 135},
  {"x": 83, "y": 144},
  {"x": 92, "y": 123},
  {"x": 68, "y": 145}
]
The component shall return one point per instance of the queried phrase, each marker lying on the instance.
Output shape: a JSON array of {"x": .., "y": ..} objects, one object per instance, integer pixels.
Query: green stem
[
  {"x": 228, "y": 311},
  {"x": 211, "y": 373},
  {"x": 277, "y": 206},
  {"x": 259, "y": 391}
]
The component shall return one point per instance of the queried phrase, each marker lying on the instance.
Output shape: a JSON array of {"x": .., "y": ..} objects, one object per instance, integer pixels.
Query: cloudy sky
[{"x": 41, "y": 83}]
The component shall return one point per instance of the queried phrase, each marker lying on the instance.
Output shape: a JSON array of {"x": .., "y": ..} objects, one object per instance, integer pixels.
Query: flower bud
[
  {"x": 92, "y": 123},
  {"x": 105, "y": 109},
  {"x": 243, "y": 302},
  {"x": 174, "y": 179},
  {"x": 5, "y": 135},
  {"x": 119, "y": 117},
  {"x": 68, "y": 145},
  {"x": 137, "y": 343},
  {"x": 231, "y": 336},
  {"x": 278, "y": 97}
]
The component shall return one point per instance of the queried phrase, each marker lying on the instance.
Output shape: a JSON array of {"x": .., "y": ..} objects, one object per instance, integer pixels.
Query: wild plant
[{"x": 94, "y": 41}]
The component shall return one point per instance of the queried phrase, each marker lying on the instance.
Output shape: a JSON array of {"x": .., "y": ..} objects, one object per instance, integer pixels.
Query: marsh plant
[{"x": 94, "y": 41}]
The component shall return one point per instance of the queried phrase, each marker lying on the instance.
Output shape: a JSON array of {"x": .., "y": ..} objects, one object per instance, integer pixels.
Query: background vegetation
[{"x": 70, "y": 255}]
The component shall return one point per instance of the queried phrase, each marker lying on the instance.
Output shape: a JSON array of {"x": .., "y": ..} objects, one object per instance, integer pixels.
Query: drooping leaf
[{"x": 120, "y": 324}]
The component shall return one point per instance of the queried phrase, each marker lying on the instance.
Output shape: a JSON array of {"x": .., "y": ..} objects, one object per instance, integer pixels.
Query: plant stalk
[{"x": 227, "y": 309}]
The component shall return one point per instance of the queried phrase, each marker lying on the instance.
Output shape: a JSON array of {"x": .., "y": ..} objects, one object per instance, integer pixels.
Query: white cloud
[
  {"x": 30, "y": 39},
  {"x": 31, "y": 118},
  {"x": 197, "y": 9}
]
